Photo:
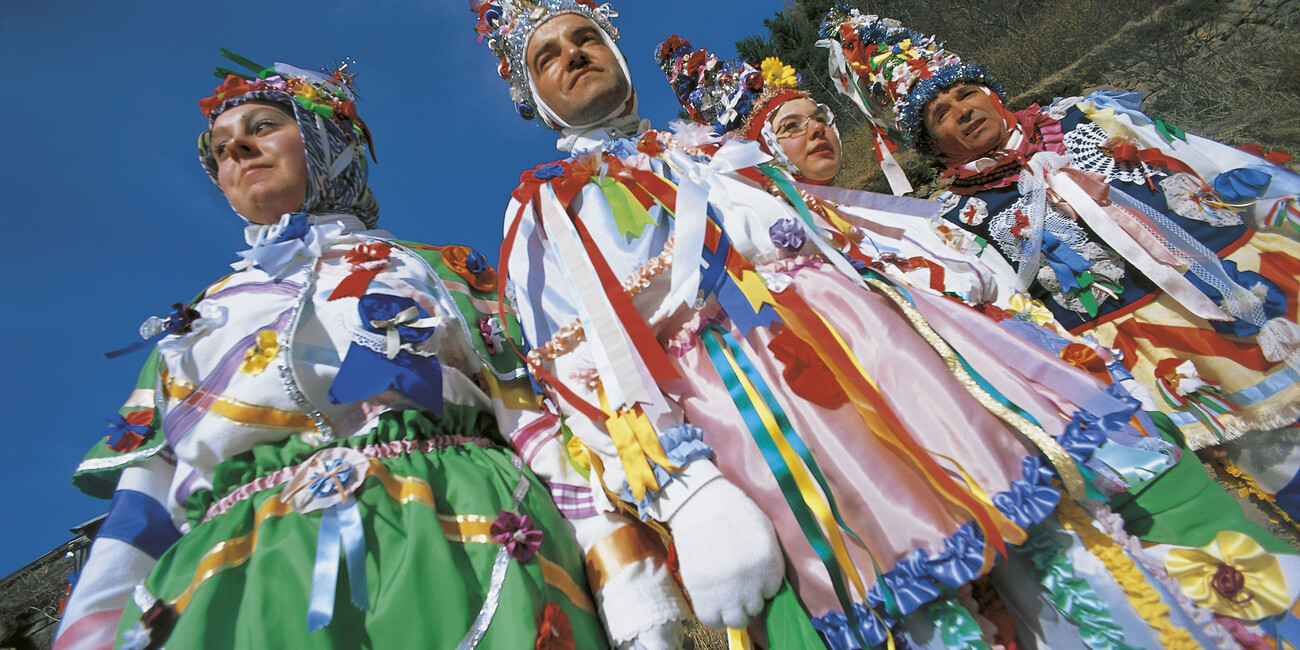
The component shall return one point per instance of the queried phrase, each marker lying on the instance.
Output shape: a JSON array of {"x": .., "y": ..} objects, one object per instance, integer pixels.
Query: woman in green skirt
[{"x": 317, "y": 453}]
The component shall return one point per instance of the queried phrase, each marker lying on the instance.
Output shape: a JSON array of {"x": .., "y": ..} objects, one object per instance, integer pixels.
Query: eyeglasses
[{"x": 796, "y": 125}]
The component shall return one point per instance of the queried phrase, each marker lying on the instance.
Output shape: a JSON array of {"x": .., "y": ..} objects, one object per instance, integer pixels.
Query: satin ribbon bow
[
  {"x": 128, "y": 433},
  {"x": 403, "y": 326},
  {"x": 275, "y": 248},
  {"x": 326, "y": 482},
  {"x": 700, "y": 185}
]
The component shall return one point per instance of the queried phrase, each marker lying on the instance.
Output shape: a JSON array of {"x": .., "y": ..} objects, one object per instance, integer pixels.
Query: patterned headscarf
[{"x": 332, "y": 135}]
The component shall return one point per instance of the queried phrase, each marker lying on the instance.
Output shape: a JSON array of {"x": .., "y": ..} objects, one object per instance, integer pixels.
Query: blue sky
[{"x": 111, "y": 218}]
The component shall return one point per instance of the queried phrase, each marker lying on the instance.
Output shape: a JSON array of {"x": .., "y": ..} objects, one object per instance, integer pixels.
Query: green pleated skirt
[{"x": 242, "y": 578}]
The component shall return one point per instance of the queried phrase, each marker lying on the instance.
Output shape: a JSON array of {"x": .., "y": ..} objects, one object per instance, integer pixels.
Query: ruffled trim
[
  {"x": 919, "y": 578},
  {"x": 1071, "y": 595},
  {"x": 682, "y": 444}
]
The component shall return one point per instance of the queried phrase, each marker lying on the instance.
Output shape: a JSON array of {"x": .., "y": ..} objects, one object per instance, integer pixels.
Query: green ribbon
[
  {"x": 629, "y": 215},
  {"x": 791, "y": 194},
  {"x": 1169, "y": 132},
  {"x": 956, "y": 625},
  {"x": 776, "y": 463},
  {"x": 1070, "y": 594}
]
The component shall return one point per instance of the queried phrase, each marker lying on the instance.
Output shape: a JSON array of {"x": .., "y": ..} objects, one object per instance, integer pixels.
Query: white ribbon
[
  {"x": 1170, "y": 280},
  {"x": 617, "y": 364},
  {"x": 698, "y": 185},
  {"x": 406, "y": 317}
]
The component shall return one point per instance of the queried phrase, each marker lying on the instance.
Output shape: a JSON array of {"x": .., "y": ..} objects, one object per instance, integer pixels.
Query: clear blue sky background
[{"x": 111, "y": 219}]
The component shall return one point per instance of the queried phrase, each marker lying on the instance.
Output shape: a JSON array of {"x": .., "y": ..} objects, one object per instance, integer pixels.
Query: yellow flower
[
  {"x": 258, "y": 356},
  {"x": 777, "y": 74},
  {"x": 1233, "y": 576}
]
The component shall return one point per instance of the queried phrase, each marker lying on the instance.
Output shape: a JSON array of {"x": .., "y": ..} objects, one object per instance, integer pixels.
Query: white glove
[{"x": 729, "y": 557}]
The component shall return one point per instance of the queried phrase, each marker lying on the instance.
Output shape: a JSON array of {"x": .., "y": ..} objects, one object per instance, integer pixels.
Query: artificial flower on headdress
[
  {"x": 506, "y": 26},
  {"x": 892, "y": 72},
  {"x": 1231, "y": 576},
  {"x": 327, "y": 93},
  {"x": 777, "y": 74}
]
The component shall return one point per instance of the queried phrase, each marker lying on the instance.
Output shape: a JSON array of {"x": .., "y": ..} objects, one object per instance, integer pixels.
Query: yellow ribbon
[
  {"x": 1106, "y": 119},
  {"x": 1233, "y": 576},
  {"x": 807, "y": 488},
  {"x": 637, "y": 444},
  {"x": 1033, "y": 310}
]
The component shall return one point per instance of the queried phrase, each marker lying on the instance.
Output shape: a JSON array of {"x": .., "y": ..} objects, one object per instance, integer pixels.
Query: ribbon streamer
[{"x": 340, "y": 527}]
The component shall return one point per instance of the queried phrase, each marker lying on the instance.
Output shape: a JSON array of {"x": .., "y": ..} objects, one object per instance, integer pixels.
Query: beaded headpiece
[
  {"x": 323, "y": 104},
  {"x": 892, "y": 72},
  {"x": 730, "y": 95},
  {"x": 507, "y": 26}
]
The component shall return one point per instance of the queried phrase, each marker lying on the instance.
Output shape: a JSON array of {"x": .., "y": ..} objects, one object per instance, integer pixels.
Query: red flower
[
  {"x": 367, "y": 256},
  {"x": 233, "y": 87},
  {"x": 1022, "y": 222},
  {"x": 805, "y": 373},
  {"x": 1086, "y": 359},
  {"x": 649, "y": 143},
  {"x": 694, "y": 62},
  {"x": 554, "y": 632},
  {"x": 671, "y": 45}
]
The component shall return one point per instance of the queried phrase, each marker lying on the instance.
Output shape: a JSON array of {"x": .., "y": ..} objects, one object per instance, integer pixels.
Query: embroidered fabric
[{"x": 1083, "y": 146}]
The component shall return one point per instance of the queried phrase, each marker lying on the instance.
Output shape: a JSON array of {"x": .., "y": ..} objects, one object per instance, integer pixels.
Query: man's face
[
  {"x": 575, "y": 73},
  {"x": 964, "y": 123}
]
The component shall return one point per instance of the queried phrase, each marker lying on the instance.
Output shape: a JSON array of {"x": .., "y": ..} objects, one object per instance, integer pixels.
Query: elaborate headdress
[
  {"x": 507, "y": 26},
  {"x": 730, "y": 95},
  {"x": 324, "y": 105},
  {"x": 892, "y": 73}
]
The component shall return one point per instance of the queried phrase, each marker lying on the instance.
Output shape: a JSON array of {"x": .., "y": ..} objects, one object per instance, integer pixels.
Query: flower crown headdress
[
  {"x": 507, "y": 25},
  {"x": 891, "y": 72},
  {"x": 730, "y": 95},
  {"x": 330, "y": 94}
]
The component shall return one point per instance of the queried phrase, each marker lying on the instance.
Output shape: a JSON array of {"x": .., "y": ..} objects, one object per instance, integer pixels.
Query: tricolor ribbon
[
  {"x": 1285, "y": 211},
  {"x": 1184, "y": 390}
]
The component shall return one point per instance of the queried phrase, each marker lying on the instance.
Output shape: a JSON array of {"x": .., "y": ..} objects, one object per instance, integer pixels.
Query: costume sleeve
[
  {"x": 143, "y": 520},
  {"x": 626, "y": 563}
]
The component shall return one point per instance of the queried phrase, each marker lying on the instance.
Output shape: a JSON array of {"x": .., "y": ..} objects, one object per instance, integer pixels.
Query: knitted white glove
[{"x": 729, "y": 557}]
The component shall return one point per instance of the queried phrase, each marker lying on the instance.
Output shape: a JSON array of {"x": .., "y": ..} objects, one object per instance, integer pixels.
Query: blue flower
[
  {"x": 547, "y": 172},
  {"x": 476, "y": 263}
]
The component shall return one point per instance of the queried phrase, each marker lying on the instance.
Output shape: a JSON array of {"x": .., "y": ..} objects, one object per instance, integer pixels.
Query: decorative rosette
[
  {"x": 507, "y": 25},
  {"x": 471, "y": 265},
  {"x": 1232, "y": 576},
  {"x": 265, "y": 348},
  {"x": 326, "y": 483},
  {"x": 385, "y": 354},
  {"x": 493, "y": 333},
  {"x": 517, "y": 533},
  {"x": 327, "y": 93},
  {"x": 554, "y": 631},
  {"x": 787, "y": 234}
]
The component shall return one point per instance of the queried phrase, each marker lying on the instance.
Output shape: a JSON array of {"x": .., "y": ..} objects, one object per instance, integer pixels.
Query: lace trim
[
  {"x": 1083, "y": 145},
  {"x": 1105, "y": 263},
  {"x": 568, "y": 337}
]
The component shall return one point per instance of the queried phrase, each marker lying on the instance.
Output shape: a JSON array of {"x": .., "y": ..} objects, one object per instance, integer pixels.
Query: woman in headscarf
[{"x": 316, "y": 452}]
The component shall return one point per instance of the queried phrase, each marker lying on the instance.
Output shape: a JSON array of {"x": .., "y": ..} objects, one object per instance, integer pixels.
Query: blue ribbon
[
  {"x": 1241, "y": 185},
  {"x": 1064, "y": 261},
  {"x": 119, "y": 427},
  {"x": 366, "y": 373},
  {"x": 382, "y": 307},
  {"x": 178, "y": 321},
  {"x": 340, "y": 527}
]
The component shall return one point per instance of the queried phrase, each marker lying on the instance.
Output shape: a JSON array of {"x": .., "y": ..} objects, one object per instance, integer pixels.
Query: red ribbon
[
  {"x": 367, "y": 260},
  {"x": 1188, "y": 340}
]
